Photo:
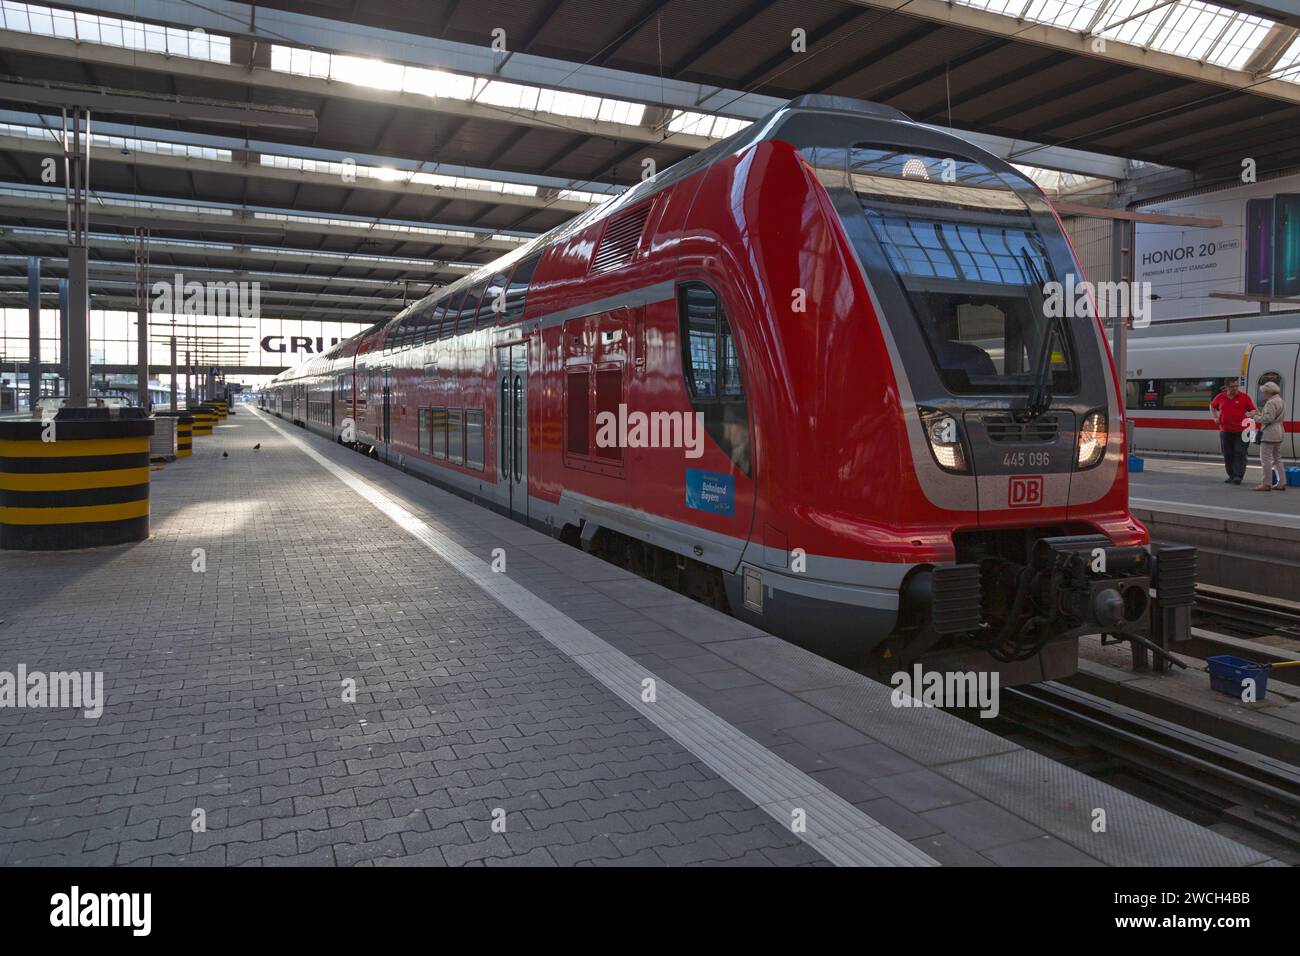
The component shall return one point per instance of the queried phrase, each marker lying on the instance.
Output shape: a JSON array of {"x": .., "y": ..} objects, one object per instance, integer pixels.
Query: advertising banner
[{"x": 1255, "y": 252}]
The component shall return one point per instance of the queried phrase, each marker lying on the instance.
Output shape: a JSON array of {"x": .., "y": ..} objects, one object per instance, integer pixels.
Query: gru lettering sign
[{"x": 297, "y": 344}]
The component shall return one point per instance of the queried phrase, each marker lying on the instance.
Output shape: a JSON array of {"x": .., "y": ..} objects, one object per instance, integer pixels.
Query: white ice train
[{"x": 1173, "y": 377}]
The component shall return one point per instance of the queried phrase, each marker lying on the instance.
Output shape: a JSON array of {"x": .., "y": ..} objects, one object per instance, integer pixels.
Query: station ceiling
[
  {"x": 938, "y": 62},
  {"x": 460, "y": 180}
]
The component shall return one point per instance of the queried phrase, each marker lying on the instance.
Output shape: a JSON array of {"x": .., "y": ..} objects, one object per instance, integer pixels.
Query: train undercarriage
[{"x": 1016, "y": 602}]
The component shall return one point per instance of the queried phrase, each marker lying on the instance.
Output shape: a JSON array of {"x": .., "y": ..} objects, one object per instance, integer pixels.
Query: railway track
[
  {"x": 1198, "y": 776},
  {"x": 1247, "y": 615}
]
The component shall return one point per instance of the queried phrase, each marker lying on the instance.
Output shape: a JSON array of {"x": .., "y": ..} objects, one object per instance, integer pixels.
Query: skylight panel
[
  {"x": 1191, "y": 31},
  {"x": 1288, "y": 64},
  {"x": 1189, "y": 28},
  {"x": 1241, "y": 41},
  {"x": 40, "y": 20},
  {"x": 578, "y": 195},
  {"x": 379, "y": 74}
]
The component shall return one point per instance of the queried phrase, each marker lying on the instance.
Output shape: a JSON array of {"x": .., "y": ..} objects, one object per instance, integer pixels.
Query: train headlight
[
  {"x": 944, "y": 436},
  {"x": 1092, "y": 440}
]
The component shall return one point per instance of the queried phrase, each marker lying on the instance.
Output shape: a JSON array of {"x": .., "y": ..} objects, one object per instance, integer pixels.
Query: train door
[
  {"x": 1276, "y": 363},
  {"x": 512, "y": 429}
]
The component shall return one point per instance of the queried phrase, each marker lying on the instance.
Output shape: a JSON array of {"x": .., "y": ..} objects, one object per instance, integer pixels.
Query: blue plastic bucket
[
  {"x": 1293, "y": 476},
  {"x": 1135, "y": 463},
  {"x": 1227, "y": 674}
]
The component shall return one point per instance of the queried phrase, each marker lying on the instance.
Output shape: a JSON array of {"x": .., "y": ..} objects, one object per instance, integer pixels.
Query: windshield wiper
[{"x": 1039, "y": 399}]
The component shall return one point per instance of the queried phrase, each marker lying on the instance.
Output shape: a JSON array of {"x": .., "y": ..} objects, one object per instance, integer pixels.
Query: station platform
[
  {"x": 1248, "y": 540},
  {"x": 498, "y": 718}
]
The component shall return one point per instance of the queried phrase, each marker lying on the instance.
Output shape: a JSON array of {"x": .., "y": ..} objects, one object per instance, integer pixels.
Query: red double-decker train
[{"x": 806, "y": 375}]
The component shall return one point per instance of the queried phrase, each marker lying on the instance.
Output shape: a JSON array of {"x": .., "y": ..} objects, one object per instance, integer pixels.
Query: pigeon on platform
[
  {"x": 257, "y": 446},
  {"x": 225, "y": 454}
]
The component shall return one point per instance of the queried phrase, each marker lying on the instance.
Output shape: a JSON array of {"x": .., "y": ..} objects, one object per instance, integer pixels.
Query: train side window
[
  {"x": 469, "y": 307},
  {"x": 434, "y": 322},
  {"x": 517, "y": 290},
  {"x": 453, "y": 312},
  {"x": 493, "y": 304},
  {"x": 438, "y": 432},
  {"x": 700, "y": 313},
  {"x": 1171, "y": 394},
  {"x": 712, "y": 367},
  {"x": 577, "y": 403},
  {"x": 609, "y": 395},
  {"x": 455, "y": 436},
  {"x": 474, "y": 438}
]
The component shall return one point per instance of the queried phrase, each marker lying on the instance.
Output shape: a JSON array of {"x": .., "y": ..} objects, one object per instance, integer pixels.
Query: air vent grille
[
  {"x": 621, "y": 239},
  {"x": 1004, "y": 428}
]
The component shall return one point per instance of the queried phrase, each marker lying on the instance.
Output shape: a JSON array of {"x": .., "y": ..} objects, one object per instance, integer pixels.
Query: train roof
[
  {"x": 804, "y": 109},
  {"x": 1237, "y": 338}
]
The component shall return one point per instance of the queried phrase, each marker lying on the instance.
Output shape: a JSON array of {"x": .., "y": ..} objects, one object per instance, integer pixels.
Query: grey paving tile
[
  {"x": 873, "y": 760},
  {"x": 828, "y": 735},
  {"x": 951, "y": 852},
  {"x": 898, "y": 818},
  {"x": 1042, "y": 850},
  {"x": 981, "y": 825},
  {"x": 922, "y": 790}
]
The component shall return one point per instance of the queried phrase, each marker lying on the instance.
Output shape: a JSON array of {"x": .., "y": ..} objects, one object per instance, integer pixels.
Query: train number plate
[{"x": 1027, "y": 459}]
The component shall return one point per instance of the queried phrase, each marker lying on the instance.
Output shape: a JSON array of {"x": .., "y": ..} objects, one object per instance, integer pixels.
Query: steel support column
[
  {"x": 142, "y": 317},
  {"x": 62, "y": 372},
  {"x": 173, "y": 373},
  {"x": 76, "y": 188},
  {"x": 33, "y": 337}
]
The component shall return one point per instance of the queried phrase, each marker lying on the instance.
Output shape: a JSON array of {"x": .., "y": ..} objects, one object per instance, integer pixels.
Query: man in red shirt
[{"x": 1229, "y": 409}]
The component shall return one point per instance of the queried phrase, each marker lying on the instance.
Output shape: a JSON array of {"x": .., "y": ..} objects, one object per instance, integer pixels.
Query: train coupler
[{"x": 1173, "y": 583}]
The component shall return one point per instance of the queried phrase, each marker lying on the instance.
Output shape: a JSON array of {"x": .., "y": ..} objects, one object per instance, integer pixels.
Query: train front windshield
[{"x": 974, "y": 267}]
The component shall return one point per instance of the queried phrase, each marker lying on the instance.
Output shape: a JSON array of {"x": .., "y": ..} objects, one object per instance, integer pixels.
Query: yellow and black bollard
[
  {"x": 184, "y": 436},
  {"x": 204, "y": 419},
  {"x": 74, "y": 482}
]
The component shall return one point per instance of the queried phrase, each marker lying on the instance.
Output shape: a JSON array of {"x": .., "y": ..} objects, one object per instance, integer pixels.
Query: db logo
[{"x": 1025, "y": 491}]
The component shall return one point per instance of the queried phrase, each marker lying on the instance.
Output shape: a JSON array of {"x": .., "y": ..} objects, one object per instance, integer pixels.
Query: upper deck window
[{"x": 517, "y": 290}]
